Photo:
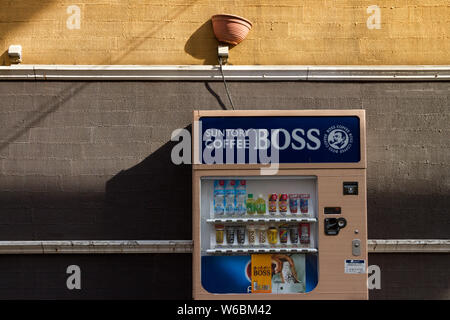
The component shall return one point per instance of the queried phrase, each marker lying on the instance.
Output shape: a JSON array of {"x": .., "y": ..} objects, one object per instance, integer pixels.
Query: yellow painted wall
[{"x": 179, "y": 32}]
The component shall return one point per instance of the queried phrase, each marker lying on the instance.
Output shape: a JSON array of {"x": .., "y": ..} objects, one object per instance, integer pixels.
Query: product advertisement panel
[
  {"x": 276, "y": 273},
  {"x": 267, "y": 235}
]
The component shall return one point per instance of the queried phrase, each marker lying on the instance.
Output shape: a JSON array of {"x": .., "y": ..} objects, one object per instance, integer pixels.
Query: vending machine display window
[{"x": 244, "y": 218}]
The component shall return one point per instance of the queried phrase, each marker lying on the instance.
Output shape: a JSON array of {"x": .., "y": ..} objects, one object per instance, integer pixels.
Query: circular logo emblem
[
  {"x": 248, "y": 271},
  {"x": 338, "y": 139}
]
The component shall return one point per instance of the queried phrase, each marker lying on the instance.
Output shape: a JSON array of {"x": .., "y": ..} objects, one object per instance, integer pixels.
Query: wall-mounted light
[{"x": 15, "y": 53}]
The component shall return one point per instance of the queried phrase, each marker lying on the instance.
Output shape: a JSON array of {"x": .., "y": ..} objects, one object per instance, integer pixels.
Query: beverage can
[
  {"x": 219, "y": 233},
  {"x": 251, "y": 234},
  {"x": 240, "y": 232},
  {"x": 283, "y": 203},
  {"x": 229, "y": 231},
  {"x": 293, "y": 234},
  {"x": 273, "y": 203},
  {"x": 293, "y": 203},
  {"x": 262, "y": 232},
  {"x": 272, "y": 235},
  {"x": 283, "y": 233},
  {"x": 304, "y": 233},
  {"x": 304, "y": 202}
]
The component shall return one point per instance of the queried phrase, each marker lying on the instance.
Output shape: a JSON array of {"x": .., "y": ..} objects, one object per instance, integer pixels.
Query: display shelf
[
  {"x": 260, "y": 250},
  {"x": 261, "y": 219}
]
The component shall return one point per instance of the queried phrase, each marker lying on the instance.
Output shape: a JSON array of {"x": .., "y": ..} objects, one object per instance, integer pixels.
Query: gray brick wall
[
  {"x": 102, "y": 277},
  {"x": 419, "y": 276},
  {"x": 104, "y": 147},
  {"x": 91, "y": 160}
]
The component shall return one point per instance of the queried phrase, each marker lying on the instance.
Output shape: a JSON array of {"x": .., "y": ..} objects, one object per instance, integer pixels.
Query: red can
[{"x": 304, "y": 233}]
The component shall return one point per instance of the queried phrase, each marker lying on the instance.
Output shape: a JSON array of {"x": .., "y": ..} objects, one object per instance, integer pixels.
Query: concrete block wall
[
  {"x": 91, "y": 160},
  {"x": 125, "y": 277},
  {"x": 168, "y": 276},
  {"x": 180, "y": 32}
]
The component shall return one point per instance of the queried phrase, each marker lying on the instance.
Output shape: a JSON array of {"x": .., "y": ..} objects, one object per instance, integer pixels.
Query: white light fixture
[
  {"x": 15, "y": 53},
  {"x": 222, "y": 51}
]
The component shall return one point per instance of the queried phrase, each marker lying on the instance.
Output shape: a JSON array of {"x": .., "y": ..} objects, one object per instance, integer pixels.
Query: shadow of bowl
[{"x": 202, "y": 44}]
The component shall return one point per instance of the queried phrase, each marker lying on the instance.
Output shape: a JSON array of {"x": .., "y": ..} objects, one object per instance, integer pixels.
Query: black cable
[{"x": 225, "y": 83}]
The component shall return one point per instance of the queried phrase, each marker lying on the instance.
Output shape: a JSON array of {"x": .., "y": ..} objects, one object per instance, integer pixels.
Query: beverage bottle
[
  {"x": 241, "y": 193},
  {"x": 230, "y": 197},
  {"x": 251, "y": 208},
  {"x": 260, "y": 205},
  {"x": 219, "y": 197}
]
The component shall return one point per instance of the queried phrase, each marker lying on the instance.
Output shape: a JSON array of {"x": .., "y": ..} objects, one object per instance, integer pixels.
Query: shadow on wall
[
  {"x": 42, "y": 111},
  {"x": 55, "y": 103},
  {"x": 215, "y": 95},
  {"x": 104, "y": 276},
  {"x": 202, "y": 44},
  {"x": 154, "y": 197},
  {"x": 4, "y": 59}
]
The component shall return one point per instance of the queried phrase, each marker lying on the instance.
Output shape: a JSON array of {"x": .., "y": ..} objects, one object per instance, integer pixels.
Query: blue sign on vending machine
[{"x": 292, "y": 139}]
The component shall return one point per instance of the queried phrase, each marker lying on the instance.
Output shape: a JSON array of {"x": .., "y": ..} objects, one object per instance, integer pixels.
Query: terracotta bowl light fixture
[{"x": 230, "y": 29}]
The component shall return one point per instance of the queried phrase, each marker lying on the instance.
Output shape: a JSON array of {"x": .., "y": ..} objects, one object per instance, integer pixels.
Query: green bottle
[
  {"x": 260, "y": 205},
  {"x": 251, "y": 207}
]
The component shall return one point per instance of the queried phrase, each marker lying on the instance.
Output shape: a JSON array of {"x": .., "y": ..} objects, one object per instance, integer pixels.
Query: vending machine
[{"x": 279, "y": 204}]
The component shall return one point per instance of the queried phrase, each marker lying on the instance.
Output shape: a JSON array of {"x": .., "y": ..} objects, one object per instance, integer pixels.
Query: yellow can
[
  {"x": 272, "y": 235},
  {"x": 219, "y": 234}
]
